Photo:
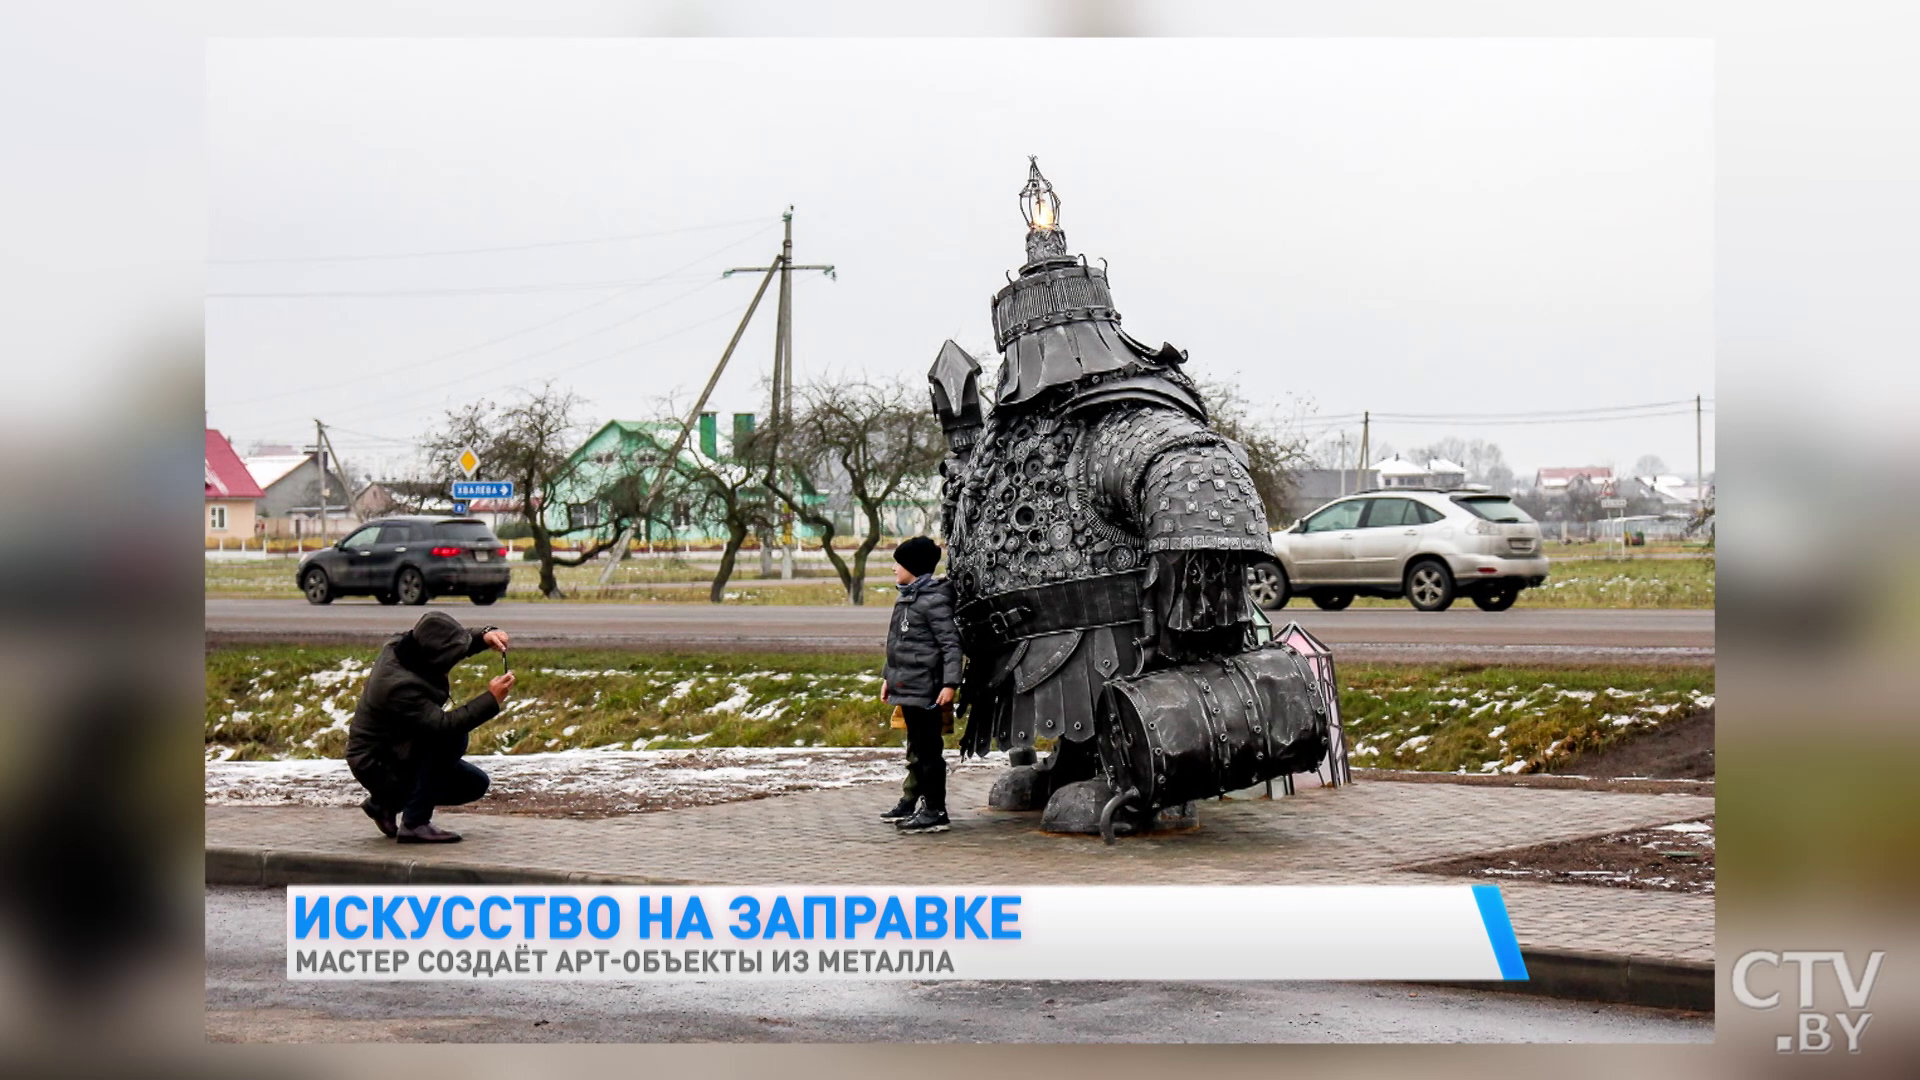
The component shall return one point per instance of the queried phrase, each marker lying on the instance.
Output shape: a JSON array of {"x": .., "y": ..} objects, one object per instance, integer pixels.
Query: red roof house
[{"x": 231, "y": 491}]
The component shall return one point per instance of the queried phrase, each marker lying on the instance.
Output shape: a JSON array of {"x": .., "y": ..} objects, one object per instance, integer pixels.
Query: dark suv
[{"x": 409, "y": 560}]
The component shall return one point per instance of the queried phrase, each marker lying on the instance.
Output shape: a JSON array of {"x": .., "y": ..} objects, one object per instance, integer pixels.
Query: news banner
[{"x": 1439, "y": 932}]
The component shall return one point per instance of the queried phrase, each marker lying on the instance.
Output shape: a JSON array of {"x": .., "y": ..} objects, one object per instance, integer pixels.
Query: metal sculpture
[{"x": 1097, "y": 527}]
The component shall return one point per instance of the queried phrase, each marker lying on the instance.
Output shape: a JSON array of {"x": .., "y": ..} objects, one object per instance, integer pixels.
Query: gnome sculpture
[{"x": 1097, "y": 527}]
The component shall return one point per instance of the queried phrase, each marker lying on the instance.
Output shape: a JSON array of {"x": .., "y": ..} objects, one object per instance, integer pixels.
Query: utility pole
[
  {"x": 320, "y": 455},
  {"x": 1366, "y": 451},
  {"x": 700, "y": 403},
  {"x": 1699, "y": 461},
  {"x": 1343, "y": 464},
  {"x": 781, "y": 407}
]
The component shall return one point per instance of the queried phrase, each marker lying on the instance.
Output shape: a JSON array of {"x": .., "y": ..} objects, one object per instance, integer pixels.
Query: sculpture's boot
[
  {"x": 1089, "y": 807},
  {"x": 1029, "y": 784}
]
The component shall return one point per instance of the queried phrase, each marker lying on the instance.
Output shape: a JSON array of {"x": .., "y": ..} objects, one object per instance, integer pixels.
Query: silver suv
[{"x": 1428, "y": 546}]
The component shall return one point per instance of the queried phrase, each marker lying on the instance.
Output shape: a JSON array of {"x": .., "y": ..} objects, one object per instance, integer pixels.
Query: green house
[{"x": 601, "y": 471}]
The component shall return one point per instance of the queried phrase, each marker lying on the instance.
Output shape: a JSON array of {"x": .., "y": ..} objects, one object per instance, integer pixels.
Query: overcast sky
[{"x": 1413, "y": 227}]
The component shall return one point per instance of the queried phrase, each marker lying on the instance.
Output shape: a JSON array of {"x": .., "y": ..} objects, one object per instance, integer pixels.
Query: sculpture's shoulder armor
[
  {"x": 1123, "y": 440},
  {"x": 1201, "y": 497},
  {"x": 1147, "y": 383}
]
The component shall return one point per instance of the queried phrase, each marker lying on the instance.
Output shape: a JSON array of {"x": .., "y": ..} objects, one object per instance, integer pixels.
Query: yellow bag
[{"x": 946, "y": 719}]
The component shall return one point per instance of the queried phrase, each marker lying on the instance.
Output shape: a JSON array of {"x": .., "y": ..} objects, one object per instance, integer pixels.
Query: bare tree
[
  {"x": 531, "y": 443},
  {"x": 731, "y": 490},
  {"x": 1650, "y": 465},
  {"x": 1274, "y": 453},
  {"x": 876, "y": 440}
]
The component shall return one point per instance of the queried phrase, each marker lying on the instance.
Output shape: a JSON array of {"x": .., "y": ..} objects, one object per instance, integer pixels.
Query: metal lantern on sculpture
[
  {"x": 1038, "y": 203},
  {"x": 1041, "y": 207},
  {"x": 1319, "y": 660}
]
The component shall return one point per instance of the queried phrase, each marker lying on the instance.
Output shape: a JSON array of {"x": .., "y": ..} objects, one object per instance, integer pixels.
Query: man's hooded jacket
[{"x": 403, "y": 708}]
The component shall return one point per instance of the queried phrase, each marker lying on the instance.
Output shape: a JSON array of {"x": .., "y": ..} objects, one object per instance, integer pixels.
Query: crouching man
[{"x": 405, "y": 745}]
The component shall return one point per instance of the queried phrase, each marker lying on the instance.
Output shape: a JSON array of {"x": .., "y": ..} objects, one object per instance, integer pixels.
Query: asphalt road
[
  {"x": 1464, "y": 633},
  {"x": 249, "y": 998}
]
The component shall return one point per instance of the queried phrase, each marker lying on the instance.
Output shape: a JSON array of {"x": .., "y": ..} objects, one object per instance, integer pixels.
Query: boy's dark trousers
[{"x": 926, "y": 763}]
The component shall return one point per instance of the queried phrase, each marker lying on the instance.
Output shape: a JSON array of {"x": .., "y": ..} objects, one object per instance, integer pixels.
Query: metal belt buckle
[{"x": 1002, "y": 622}]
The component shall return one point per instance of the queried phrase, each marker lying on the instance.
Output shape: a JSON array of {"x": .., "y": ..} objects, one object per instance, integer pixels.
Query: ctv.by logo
[{"x": 1812, "y": 1031}]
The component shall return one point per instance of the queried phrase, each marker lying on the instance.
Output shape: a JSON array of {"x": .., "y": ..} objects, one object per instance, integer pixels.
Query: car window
[
  {"x": 1494, "y": 508},
  {"x": 363, "y": 538},
  {"x": 395, "y": 534},
  {"x": 1387, "y": 513},
  {"x": 1428, "y": 515},
  {"x": 1339, "y": 516},
  {"x": 463, "y": 530}
]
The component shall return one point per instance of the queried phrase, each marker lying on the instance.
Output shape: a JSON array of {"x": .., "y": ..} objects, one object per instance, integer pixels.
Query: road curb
[{"x": 1612, "y": 978}]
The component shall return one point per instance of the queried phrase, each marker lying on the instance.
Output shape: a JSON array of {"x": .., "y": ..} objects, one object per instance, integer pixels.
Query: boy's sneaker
[
  {"x": 902, "y": 810},
  {"x": 926, "y": 821}
]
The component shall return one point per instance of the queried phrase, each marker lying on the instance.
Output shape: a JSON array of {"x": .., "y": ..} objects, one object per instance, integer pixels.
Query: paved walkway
[{"x": 1365, "y": 833}]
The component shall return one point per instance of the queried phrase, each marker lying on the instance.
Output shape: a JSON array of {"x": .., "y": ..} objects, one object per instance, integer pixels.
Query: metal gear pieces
[{"x": 1022, "y": 520}]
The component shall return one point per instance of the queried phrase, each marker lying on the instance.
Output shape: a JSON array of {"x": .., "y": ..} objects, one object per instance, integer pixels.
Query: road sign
[
  {"x": 468, "y": 461},
  {"x": 483, "y": 489},
  {"x": 1613, "y": 504},
  {"x": 460, "y": 509}
]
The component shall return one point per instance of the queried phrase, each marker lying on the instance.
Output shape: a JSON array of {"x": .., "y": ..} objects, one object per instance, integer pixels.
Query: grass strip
[{"x": 295, "y": 701}]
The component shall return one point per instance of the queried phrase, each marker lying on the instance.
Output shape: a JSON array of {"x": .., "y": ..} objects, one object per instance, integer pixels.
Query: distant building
[
  {"x": 292, "y": 503},
  {"x": 1555, "y": 481},
  {"x": 1674, "y": 492},
  {"x": 1436, "y": 473},
  {"x": 231, "y": 492},
  {"x": 373, "y": 500},
  {"x": 581, "y": 505},
  {"x": 1314, "y": 488}
]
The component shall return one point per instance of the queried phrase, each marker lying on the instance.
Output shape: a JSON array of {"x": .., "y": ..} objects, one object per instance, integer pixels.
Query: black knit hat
[{"x": 919, "y": 555}]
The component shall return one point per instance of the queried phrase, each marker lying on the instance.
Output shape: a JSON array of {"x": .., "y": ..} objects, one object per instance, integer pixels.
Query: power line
[
  {"x": 623, "y": 350},
  {"x": 1648, "y": 410},
  {"x": 515, "y": 361},
  {"x": 1455, "y": 422},
  {"x": 523, "y": 331},
  {"x": 1540, "y": 413},
  {"x": 480, "y": 290},
  {"x": 480, "y": 250}
]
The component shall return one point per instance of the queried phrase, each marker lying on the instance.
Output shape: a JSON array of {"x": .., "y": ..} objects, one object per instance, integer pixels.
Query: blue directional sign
[
  {"x": 460, "y": 509},
  {"x": 483, "y": 489}
]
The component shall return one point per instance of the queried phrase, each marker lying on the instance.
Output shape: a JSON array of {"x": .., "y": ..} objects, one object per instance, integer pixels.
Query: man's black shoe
[
  {"x": 926, "y": 821},
  {"x": 426, "y": 833},
  {"x": 901, "y": 811},
  {"x": 381, "y": 818}
]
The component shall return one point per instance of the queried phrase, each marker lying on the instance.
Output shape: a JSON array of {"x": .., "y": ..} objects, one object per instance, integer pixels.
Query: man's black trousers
[
  {"x": 926, "y": 760},
  {"x": 436, "y": 777}
]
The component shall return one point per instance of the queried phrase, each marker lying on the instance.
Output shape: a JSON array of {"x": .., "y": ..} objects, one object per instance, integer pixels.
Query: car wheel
[
  {"x": 411, "y": 587},
  {"x": 1429, "y": 586},
  {"x": 1332, "y": 601},
  {"x": 388, "y": 597},
  {"x": 315, "y": 584},
  {"x": 1267, "y": 584},
  {"x": 1496, "y": 599},
  {"x": 485, "y": 598}
]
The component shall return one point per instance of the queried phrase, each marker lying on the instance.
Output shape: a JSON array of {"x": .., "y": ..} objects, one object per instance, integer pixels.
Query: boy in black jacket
[{"x": 922, "y": 675}]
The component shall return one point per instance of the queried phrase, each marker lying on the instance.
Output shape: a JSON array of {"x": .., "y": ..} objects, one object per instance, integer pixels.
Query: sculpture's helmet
[{"x": 1055, "y": 323}]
